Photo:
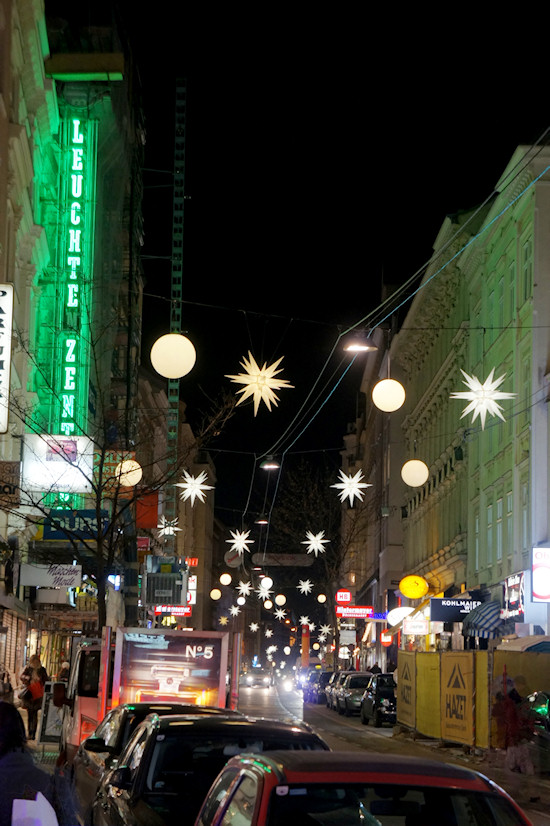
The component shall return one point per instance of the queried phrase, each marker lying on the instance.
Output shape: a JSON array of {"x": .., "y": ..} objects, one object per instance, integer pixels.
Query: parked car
[
  {"x": 99, "y": 752},
  {"x": 330, "y": 686},
  {"x": 318, "y": 689},
  {"x": 379, "y": 701},
  {"x": 350, "y": 693},
  {"x": 309, "y": 687},
  {"x": 352, "y": 788},
  {"x": 336, "y": 686},
  {"x": 170, "y": 763}
]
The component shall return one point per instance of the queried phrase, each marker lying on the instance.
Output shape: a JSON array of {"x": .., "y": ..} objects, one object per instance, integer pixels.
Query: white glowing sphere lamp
[
  {"x": 388, "y": 395},
  {"x": 414, "y": 473},
  {"x": 267, "y": 582},
  {"x": 225, "y": 579},
  {"x": 129, "y": 473},
  {"x": 280, "y": 599},
  {"x": 215, "y": 594},
  {"x": 173, "y": 356}
]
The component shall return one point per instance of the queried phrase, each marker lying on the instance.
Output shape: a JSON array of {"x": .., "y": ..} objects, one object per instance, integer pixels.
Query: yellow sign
[
  {"x": 406, "y": 688},
  {"x": 457, "y": 692},
  {"x": 414, "y": 587}
]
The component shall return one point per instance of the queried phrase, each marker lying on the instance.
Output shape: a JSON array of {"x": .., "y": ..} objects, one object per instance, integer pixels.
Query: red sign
[
  {"x": 357, "y": 611},
  {"x": 176, "y": 610},
  {"x": 386, "y": 639},
  {"x": 343, "y": 596}
]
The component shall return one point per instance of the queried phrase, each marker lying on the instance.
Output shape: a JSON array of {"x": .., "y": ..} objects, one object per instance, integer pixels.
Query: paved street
[{"x": 347, "y": 733}]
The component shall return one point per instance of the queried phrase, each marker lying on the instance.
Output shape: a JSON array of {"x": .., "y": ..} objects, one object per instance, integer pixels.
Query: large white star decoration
[
  {"x": 304, "y": 621},
  {"x": 244, "y": 588},
  {"x": 253, "y": 626},
  {"x": 240, "y": 541},
  {"x": 259, "y": 383},
  {"x": 263, "y": 593},
  {"x": 351, "y": 487},
  {"x": 315, "y": 542},
  {"x": 280, "y": 613},
  {"x": 168, "y": 527},
  {"x": 483, "y": 397},
  {"x": 325, "y": 629},
  {"x": 305, "y": 586},
  {"x": 223, "y": 620},
  {"x": 234, "y": 610},
  {"x": 268, "y": 632},
  {"x": 194, "y": 487}
]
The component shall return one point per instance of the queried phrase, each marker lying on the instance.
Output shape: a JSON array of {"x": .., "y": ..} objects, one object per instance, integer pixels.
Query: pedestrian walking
[
  {"x": 63, "y": 675},
  {"x": 33, "y": 678}
]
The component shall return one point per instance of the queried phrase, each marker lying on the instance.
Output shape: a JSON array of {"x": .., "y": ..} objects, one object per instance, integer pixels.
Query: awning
[{"x": 484, "y": 621}]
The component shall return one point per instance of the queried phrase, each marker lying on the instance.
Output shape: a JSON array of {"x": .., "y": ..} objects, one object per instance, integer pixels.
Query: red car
[{"x": 304, "y": 788}]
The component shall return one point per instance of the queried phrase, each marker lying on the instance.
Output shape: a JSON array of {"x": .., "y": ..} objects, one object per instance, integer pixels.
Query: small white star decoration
[
  {"x": 351, "y": 487},
  {"x": 244, "y": 588},
  {"x": 234, "y": 610},
  {"x": 304, "y": 621},
  {"x": 259, "y": 383},
  {"x": 325, "y": 629},
  {"x": 253, "y": 626},
  {"x": 304, "y": 586},
  {"x": 240, "y": 541},
  {"x": 263, "y": 593},
  {"x": 483, "y": 397},
  {"x": 315, "y": 542},
  {"x": 321, "y": 638},
  {"x": 268, "y": 632},
  {"x": 280, "y": 613},
  {"x": 168, "y": 527},
  {"x": 194, "y": 487}
]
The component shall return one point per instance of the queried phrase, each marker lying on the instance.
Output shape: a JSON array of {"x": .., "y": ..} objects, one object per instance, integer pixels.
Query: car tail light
[{"x": 87, "y": 727}]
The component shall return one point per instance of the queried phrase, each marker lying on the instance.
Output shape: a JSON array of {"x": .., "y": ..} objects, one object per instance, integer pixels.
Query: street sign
[{"x": 386, "y": 639}]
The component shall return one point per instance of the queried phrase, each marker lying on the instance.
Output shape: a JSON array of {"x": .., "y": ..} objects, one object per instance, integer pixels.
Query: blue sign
[{"x": 79, "y": 524}]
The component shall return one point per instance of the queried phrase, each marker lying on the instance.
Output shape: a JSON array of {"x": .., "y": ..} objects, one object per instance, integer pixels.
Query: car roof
[
  {"x": 325, "y": 767},
  {"x": 230, "y": 725},
  {"x": 143, "y": 709}
]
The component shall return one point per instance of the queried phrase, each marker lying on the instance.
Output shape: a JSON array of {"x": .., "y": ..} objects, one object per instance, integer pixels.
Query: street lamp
[{"x": 173, "y": 356}]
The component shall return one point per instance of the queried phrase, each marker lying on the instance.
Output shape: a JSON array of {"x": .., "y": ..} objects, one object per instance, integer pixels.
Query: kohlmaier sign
[{"x": 457, "y": 692}]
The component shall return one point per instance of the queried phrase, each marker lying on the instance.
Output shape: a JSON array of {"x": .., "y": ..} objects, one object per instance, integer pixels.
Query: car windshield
[{"x": 394, "y": 805}]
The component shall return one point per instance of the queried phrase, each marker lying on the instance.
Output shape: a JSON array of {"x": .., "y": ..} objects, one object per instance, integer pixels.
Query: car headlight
[
  {"x": 249, "y": 680},
  {"x": 266, "y": 680},
  {"x": 287, "y": 685}
]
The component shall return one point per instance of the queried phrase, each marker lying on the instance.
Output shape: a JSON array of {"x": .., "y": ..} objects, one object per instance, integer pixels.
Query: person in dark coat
[
  {"x": 19, "y": 777},
  {"x": 375, "y": 669},
  {"x": 33, "y": 677}
]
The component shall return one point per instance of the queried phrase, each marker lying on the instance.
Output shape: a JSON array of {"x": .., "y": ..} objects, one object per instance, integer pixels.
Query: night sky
[{"x": 322, "y": 157}]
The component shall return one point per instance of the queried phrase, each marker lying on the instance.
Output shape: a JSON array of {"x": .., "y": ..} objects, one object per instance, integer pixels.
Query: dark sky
[{"x": 322, "y": 157}]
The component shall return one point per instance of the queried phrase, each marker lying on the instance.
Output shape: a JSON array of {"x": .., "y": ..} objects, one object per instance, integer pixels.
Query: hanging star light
[
  {"x": 168, "y": 527},
  {"x": 240, "y": 541},
  {"x": 321, "y": 638},
  {"x": 304, "y": 621},
  {"x": 325, "y": 629},
  {"x": 223, "y": 620},
  {"x": 483, "y": 397},
  {"x": 263, "y": 593},
  {"x": 312, "y": 626},
  {"x": 234, "y": 610},
  {"x": 280, "y": 613},
  {"x": 315, "y": 542},
  {"x": 259, "y": 383},
  {"x": 305, "y": 586},
  {"x": 351, "y": 487},
  {"x": 194, "y": 487},
  {"x": 253, "y": 626},
  {"x": 244, "y": 588},
  {"x": 268, "y": 632}
]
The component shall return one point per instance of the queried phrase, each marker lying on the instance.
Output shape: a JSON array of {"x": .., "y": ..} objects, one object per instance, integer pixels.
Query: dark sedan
[
  {"x": 379, "y": 702},
  {"x": 170, "y": 763},
  {"x": 100, "y": 751}
]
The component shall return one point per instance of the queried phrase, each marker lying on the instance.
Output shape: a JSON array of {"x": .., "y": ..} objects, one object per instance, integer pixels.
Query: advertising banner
[
  {"x": 406, "y": 688},
  {"x": 451, "y": 609},
  {"x": 184, "y": 666},
  {"x": 51, "y": 576},
  {"x": 457, "y": 693}
]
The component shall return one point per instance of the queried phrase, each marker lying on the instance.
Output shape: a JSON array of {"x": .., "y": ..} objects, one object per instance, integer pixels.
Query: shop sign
[
  {"x": 9, "y": 480},
  {"x": 175, "y": 610},
  {"x": 416, "y": 627},
  {"x": 541, "y": 575},
  {"x": 51, "y": 576},
  {"x": 69, "y": 524},
  {"x": 343, "y": 596},
  {"x": 356, "y": 611},
  {"x": 514, "y": 597},
  {"x": 451, "y": 609}
]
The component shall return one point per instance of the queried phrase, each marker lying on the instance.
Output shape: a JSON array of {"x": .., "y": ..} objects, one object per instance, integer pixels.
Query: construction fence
[{"x": 450, "y": 695}]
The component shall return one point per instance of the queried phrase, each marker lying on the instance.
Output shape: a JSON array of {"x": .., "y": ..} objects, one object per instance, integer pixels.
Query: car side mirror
[
  {"x": 121, "y": 778},
  {"x": 97, "y": 744},
  {"x": 60, "y": 698}
]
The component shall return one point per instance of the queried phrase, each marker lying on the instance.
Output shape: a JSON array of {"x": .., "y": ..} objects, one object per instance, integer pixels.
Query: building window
[
  {"x": 524, "y": 516},
  {"x": 527, "y": 270},
  {"x": 490, "y": 534},
  {"x": 476, "y": 540},
  {"x": 509, "y": 523},
  {"x": 498, "y": 529}
]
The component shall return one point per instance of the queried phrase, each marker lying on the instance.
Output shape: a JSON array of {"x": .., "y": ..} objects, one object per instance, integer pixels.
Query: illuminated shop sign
[
  {"x": 76, "y": 250},
  {"x": 541, "y": 574},
  {"x": 6, "y": 320},
  {"x": 451, "y": 609},
  {"x": 56, "y": 463},
  {"x": 356, "y": 611},
  {"x": 514, "y": 597}
]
